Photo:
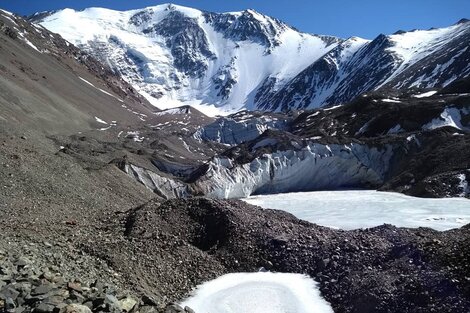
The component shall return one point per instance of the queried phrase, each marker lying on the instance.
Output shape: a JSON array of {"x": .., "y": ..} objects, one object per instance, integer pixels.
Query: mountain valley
[{"x": 120, "y": 183}]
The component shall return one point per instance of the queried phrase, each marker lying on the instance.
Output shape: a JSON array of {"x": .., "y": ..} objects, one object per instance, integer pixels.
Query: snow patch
[
  {"x": 449, "y": 117},
  {"x": 174, "y": 111},
  {"x": 395, "y": 130},
  {"x": 103, "y": 91},
  {"x": 333, "y": 107},
  {"x": 391, "y": 100},
  {"x": 29, "y": 43},
  {"x": 6, "y": 12},
  {"x": 463, "y": 185},
  {"x": 425, "y": 94},
  {"x": 100, "y": 120},
  {"x": 134, "y": 135}
]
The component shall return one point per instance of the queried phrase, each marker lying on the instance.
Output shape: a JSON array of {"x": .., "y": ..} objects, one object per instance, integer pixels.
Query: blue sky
[{"x": 343, "y": 18}]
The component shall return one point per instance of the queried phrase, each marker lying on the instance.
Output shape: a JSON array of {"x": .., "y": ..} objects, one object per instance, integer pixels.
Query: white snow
[
  {"x": 410, "y": 47},
  {"x": 103, "y": 91},
  {"x": 463, "y": 185},
  {"x": 413, "y": 138},
  {"x": 246, "y": 61},
  {"x": 9, "y": 16},
  {"x": 135, "y": 136},
  {"x": 100, "y": 120},
  {"x": 333, "y": 107},
  {"x": 261, "y": 292},
  {"x": 395, "y": 129},
  {"x": 449, "y": 117},
  {"x": 425, "y": 94},
  {"x": 391, "y": 100},
  {"x": 174, "y": 111},
  {"x": 29, "y": 43},
  {"x": 368, "y": 208},
  {"x": 86, "y": 81},
  {"x": 6, "y": 12},
  {"x": 109, "y": 94}
]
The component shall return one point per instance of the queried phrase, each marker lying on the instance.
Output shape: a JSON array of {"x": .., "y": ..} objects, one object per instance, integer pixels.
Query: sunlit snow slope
[
  {"x": 176, "y": 54},
  {"x": 223, "y": 62}
]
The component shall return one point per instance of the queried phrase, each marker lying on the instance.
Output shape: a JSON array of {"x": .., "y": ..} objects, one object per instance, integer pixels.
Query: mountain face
[
  {"x": 48, "y": 84},
  {"x": 246, "y": 60},
  {"x": 174, "y": 54}
]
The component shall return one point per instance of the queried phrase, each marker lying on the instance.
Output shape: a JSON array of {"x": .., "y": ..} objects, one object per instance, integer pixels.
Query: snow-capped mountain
[
  {"x": 175, "y": 54},
  {"x": 224, "y": 62},
  {"x": 420, "y": 58}
]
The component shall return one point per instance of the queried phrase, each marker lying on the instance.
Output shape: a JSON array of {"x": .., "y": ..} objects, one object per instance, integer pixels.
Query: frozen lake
[
  {"x": 352, "y": 209},
  {"x": 259, "y": 293}
]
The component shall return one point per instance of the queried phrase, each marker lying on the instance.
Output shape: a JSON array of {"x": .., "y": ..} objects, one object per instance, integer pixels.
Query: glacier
[{"x": 314, "y": 167}]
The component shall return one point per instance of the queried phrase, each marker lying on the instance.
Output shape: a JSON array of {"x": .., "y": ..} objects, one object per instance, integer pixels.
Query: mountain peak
[{"x": 463, "y": 21}]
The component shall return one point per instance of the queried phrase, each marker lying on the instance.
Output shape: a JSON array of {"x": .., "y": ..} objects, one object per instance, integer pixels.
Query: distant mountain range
[{"x": 224, "y": 62}]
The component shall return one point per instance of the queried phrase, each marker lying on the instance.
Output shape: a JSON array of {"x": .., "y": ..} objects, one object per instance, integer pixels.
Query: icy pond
[
  {"x": 354, "y": 209},
  {"x": 261, "y": 292}
]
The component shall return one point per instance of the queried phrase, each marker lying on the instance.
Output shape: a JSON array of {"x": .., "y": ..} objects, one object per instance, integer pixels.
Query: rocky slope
[
  {"x": 229, "y": 61},
  {"x": 50, "y": 85}
]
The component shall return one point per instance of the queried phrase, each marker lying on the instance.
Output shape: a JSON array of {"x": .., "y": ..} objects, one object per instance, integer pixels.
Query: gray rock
[
  {"x": 22, "y": 262},
  {"x": 75, "y": 286},
  {"x": 42, "y": 289},
  {"x": 127, "y": 304},
  {"x": 147, "y": 309},
  {"x": 9, "y": 292},
  {"x": 174, "y": 308},
  {"x": 187, "y": 309},
  {"x": 44, "y": 308},
  {"x": 77, "y": 308},
  {"x": 19, "y": 309},
  {"x": 9, "y": 304}
]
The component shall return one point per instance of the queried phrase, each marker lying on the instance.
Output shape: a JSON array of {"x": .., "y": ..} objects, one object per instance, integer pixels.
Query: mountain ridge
[{"x": 224, "y": 62}]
